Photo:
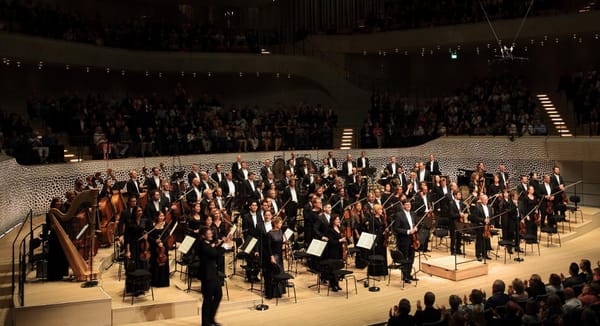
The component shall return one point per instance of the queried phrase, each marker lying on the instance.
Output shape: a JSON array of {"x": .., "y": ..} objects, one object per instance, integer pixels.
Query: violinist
[
  {"x": 404, "y": 228},
  {"x": 152, "y": 209},
  {"x": 529, "y": 202},
  {"x": 136, "y": 241},
  {"x": 374, "y": 224},
  {"x": 510, "y": 225},
  {"x": 357, "y": 218},
  {"x": 558, "y": 186},
  {"x": 480, "y": 216},
  {"x": 153, "y": 181},
  {"x": 133, "y": 186},
  {"x": 167, "y": 195},
  {"x": 496, "y": 187},
  {"x": 336, "y": 244},
  {"x": 544, "y": 193},
  {"x": 159, "y": 250},
  {"x": 106, "y": 191},
  {"x": 424, "y": 206},
  {"x": 194, "y": 222},
  {"x": 194, "y": 193},
  {"x": 456, "y": 212}
]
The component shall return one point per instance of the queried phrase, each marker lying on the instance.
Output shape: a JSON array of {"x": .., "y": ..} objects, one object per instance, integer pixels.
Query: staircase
[
  {"x": 347, "y": 138},
  {"x": 554, "y": 116}
]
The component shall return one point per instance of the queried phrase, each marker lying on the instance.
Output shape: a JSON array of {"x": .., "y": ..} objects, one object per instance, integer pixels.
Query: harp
[{"x": 80, "y": 268}]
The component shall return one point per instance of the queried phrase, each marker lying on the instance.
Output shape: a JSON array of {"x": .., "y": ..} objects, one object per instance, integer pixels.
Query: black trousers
[{"x": 211, "y": 298}]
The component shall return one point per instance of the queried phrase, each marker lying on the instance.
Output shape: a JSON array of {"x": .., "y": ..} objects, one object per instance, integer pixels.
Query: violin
[
  {"x": 144, "y": 249},
  {"x": 161, "y": 254},
  {"x": 416, "y": 244}
]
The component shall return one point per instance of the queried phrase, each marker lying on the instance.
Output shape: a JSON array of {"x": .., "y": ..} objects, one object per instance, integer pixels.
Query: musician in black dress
[
  {"x": 134, "y": 236},
  {"x": 529, "y": 202},
  {"x": 159, "y": 252},
  {"x": 194, "y": 222},
  {"x": 335, "y": 243},
  {"x": 374, "y": 224},
  {"x": 273, "y": 255}
]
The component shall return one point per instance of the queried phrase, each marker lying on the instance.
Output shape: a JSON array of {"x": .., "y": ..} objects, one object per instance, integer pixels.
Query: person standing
[
  {"x": 212, "y": 293},
  {"x": 404, "y": 227}
]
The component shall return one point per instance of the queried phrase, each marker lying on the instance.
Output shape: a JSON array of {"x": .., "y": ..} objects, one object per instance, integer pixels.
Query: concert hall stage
[{"x": 66, "y": 303}]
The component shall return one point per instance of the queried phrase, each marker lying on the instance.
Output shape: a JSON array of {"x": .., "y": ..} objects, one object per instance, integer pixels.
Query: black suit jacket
[
  {"x": 502, "y": 183},
  {"x": 427, "y": 176},
  {"x": 226, "y": 190},
  {"x": 359, "y": 163},
  {"x": 332, "y": 161},
  {"x": 236, "y": 172},
  {"x": 478, "y": 216},
  {"x": 209, "y": 256},
  {"x": 215, "y": 176},
  {"x": 320, "y": 227},
  {"x": 264, "y": 172},
  {"x": 191, "y": 196},
  {"x": 248, "y": 227},
  {"x": 554, "y": 183},
  {"x": 454, "y": 213},
  {"x": 249, "y": 194},
  {"x": 193, "y": 175},
  {"x": 401, "y": 227},
  {"x": 345, "y": 168},
  {"x": 151, "y": 184},
  {"x": 436, "y": 167},
  {"x": 131, "y": 188}
]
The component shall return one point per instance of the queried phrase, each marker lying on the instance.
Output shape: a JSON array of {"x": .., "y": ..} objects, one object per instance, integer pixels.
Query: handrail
[
  {"x": 23, "y": 253},
  {"x": 30, "y": 217}
]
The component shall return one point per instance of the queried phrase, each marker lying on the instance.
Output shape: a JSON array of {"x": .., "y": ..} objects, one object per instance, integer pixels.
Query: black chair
[
  {"x": 398, "y": 262},
  {"x": 441, "y": 233},
  {"x": 505, "y": 244},
  {"x": 137, "y": 282},
  {"x": 574, "y": 210},
  {"x": 281, "y": 280},
  {"x": 531, "y": 240},
  {"x": 342, "y": 274},
  {"x": 550, "y": 230}
]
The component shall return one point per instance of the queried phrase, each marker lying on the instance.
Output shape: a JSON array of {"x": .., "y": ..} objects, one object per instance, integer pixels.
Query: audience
[
  {"x": 583, "y": 91},
  {"x": 174, "y": 125},
  {"x": 558, "y": 307},
  {"x": 496, "y": 106}
]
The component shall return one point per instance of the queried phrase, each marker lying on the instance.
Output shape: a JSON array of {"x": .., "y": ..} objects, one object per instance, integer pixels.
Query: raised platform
[{"x": 445, "y": 267}]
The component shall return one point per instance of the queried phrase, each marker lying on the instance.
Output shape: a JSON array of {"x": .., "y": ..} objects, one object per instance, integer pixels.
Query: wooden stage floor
[{"x": 182, "y": 308}]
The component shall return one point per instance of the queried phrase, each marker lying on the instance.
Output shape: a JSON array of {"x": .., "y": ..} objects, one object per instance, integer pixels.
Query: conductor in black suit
[
  {"x": 480, "y": 217},
  {"x": 404, "y": 228},
  {"x": 210, "y": 253}
]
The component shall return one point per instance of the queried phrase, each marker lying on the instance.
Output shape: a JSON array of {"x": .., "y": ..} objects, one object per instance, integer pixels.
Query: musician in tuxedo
[
  {"x": 236, "y": 169},
  {"x": 303, "y": 169},
  {"x": 167, "y": 195},
  {"x": 152, "y": 209},
  {"x": 558, "y": 185},
  {"x": 358, "y": 189},
  {"x": 510, "y": 225},
  {"x": 348, "y": 166},
  {"x": 391, "y": 169},
  {"x": 522, "y": 186},
  {"x": 250, "y": 190},
  {"x": 265, "y": 169},
  {"x": 195, "y": 173},
  {"x": 363, "y": 161},
  {"x": 479, "y": 217},
  {"x": 228, "y": 185},
  {"x": 194, "y": 193},
  {"x": 441, "y": 190},
  {"x": 291, "y": 196},
  {"x": 251, "y": 228},
  {"x": 423, "y": 174},
  {"x": 331, "y": 161},
  {"x": 269, "y": 181},
  {"x": 404, "y": 228},
  {"x": 210, "y": 253},
  {"x": 218, "y": 176},
  {"x": 291, "y": 167},
  {"x": 503, "y": 175},
  {"x": 433, "y": 166},
  {"x": 544, "y": 193},
  {"x": 339, "y": 200},
  {"x": 285, "y": 181},
  {"x": 133, "y": 186},
  {"x": 456, "y": 213},
  {"x": 322, "y": 222},
  {"x": 152, "y": 182}
]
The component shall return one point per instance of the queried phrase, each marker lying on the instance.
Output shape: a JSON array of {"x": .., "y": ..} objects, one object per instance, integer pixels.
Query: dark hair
[
  {"x": 404, "y": 307},
  {"x": 476, "y": 296},
  {"x": 499, "y": 286},
  {"x": 203, "y": 230},
  {"x": 429, "y": 298},
  {"x": 574, "y": 268}
]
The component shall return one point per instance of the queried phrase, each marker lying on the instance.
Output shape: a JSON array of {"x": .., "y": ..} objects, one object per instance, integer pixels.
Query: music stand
[
  {"x": 316, "y": 249},
  {"x": 463, "y": 228},
  {"x": 367, "y": 241}
]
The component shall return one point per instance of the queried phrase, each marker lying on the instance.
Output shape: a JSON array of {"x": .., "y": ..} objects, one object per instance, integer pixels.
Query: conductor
[
  {"x": 404, "y": 227},
  {"x": 212, "y": 293}
]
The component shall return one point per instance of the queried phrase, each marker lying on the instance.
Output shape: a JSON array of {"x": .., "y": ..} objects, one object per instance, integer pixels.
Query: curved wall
[
  {"x": 348, "y": 98},
  {"x": 26, "y": 187}
]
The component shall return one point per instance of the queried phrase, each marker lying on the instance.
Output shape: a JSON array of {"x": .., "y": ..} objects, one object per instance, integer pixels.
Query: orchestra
[{"x": 332, "y": 206}]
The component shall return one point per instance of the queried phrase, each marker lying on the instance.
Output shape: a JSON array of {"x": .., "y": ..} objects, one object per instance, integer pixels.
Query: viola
[
  {"x": 144, "y": 250},
  {"x": 161, "y": 254}
]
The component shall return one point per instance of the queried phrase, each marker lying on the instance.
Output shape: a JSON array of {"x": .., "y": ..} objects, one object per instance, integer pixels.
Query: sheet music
[
  {"x": 250, "y": 244},
  {"x": 288, "y": 234},
  {"x": 316, "y": 247},
  {"x": 366, "y": 240},
  {"x": 186, "y": 244}
]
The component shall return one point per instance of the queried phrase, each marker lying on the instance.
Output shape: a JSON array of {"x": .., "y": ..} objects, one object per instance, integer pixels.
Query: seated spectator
[
  {"x": 517, "y": 290},
  {"x": 536, "y": 286},
  {"x": 429, "y": 314},
  {"x": 589, "y": 294},
  {"x": 400, "y": 314},
  {"x": 574, "y": 277},
  {"x": 585, "y": 266},
  {"x": 571, "y": 302},
  {"x": 498, "y": 298},
  {"x": 552, "y": 312},
  {"x": 554, "y": 284},
  {"x": 530, "y": 316},
  {"x": 474, "y": 311}
]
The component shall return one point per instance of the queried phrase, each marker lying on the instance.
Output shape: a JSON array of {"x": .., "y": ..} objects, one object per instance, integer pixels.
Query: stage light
[{"x": 453, "y": 55}]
